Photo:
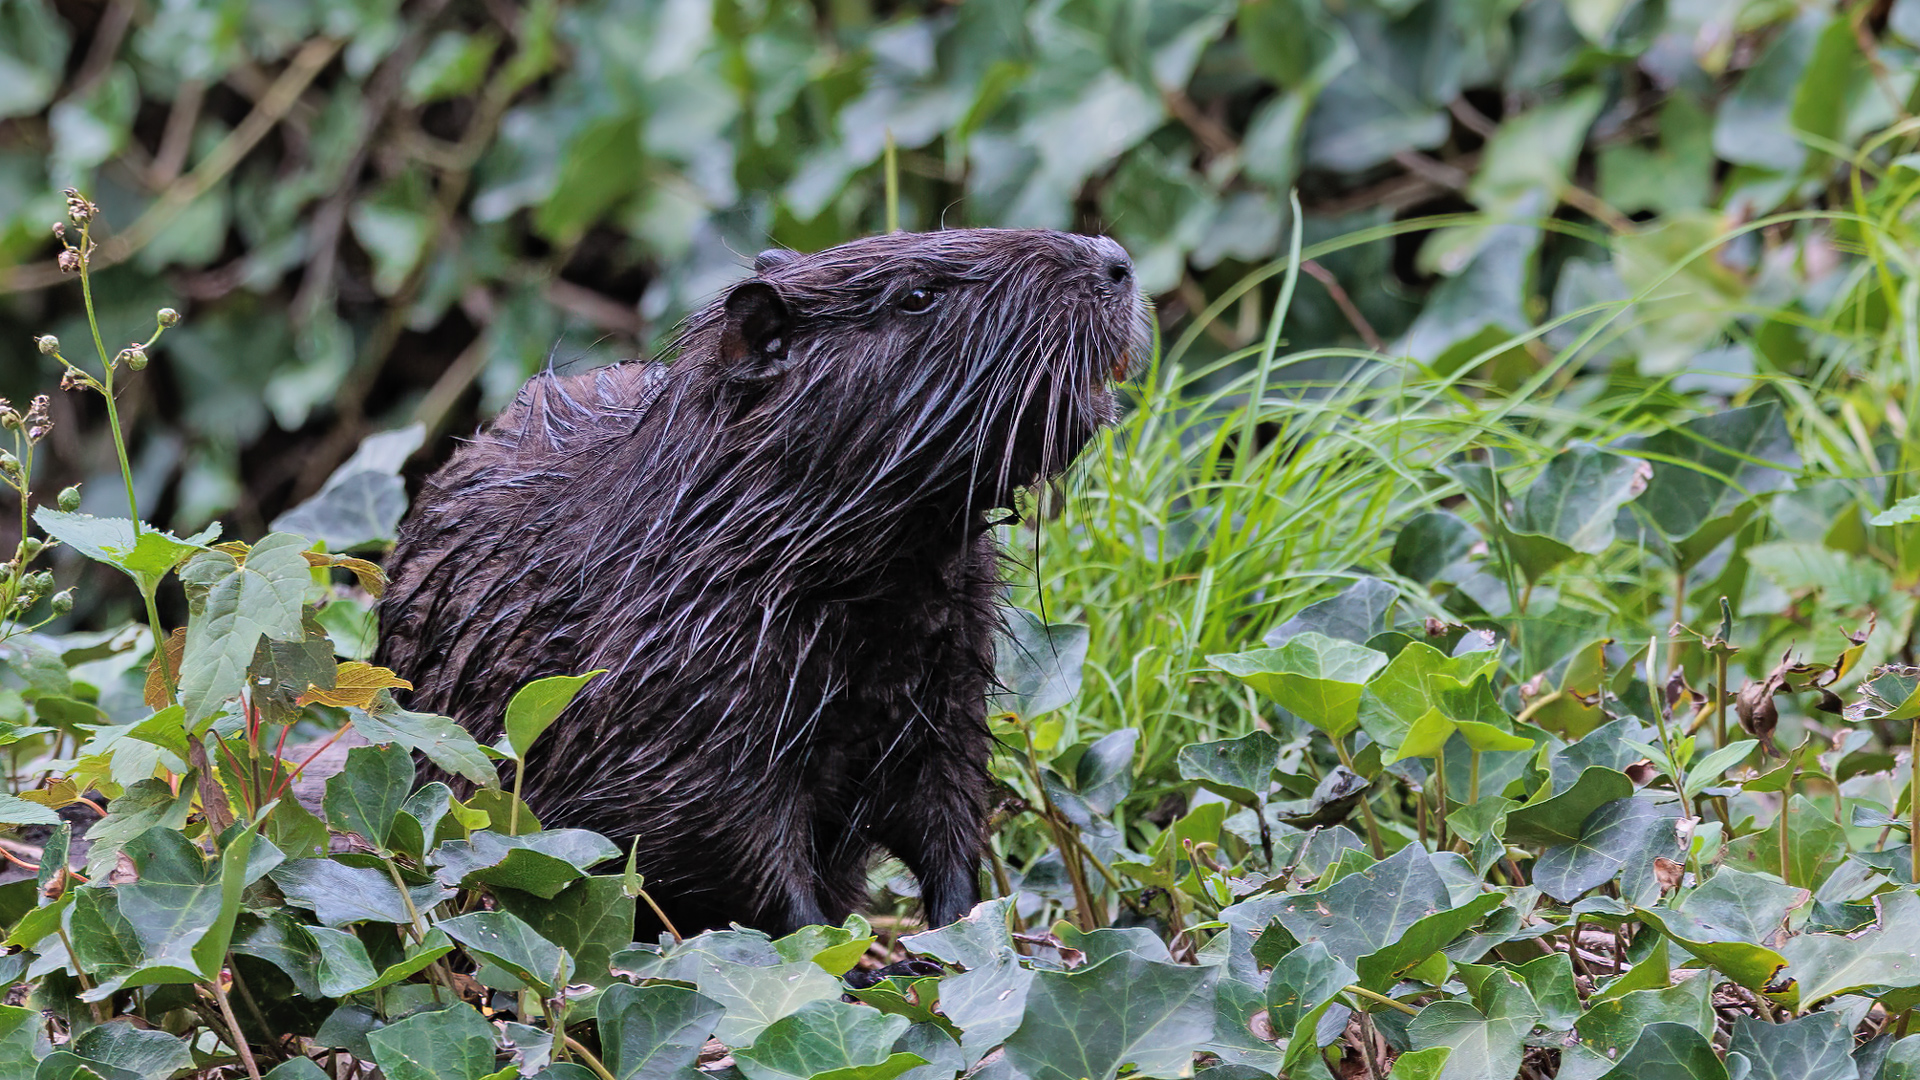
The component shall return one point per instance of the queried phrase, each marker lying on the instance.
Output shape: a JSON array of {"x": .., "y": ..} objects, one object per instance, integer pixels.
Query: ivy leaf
[
  {"x": 1085, "y": 1024},
  {"x": 1315, "y": 677},
  {"x": 1620, "y": 836},
  {"x": 1706, "y": 469},
  {"x": 1816, "y": 1047},
  {"x": 1240, "y": 769},
  {"x": 541, "y": 863},
  {"x": 970, "y": 941},
  {"x": 1885, "y": 956},
  {"x": 1037, "y": 666},
  {"x": 1488, "y": 1041},
  {"x": 591, "y": 919},
  {"x": 1368, "y": 910},
  {"x": 339, "y": 894},
  {"x": 153, "y": 1055},
  {"x": 654, "y": 1032},
  {"x": 1558, "y": 819},
  {"x": 826, "y": 1037},
  {"x": 503, "y": 939},
  {"x": 755, "y": 997},
  {"x": 19, "y": 1040},
  {"x": 1669, "y": 1051},
  {"x": 1357, "y": 613},
  {"x": 367, "y": 793},
  {"x": 1304, "y": 984},
  {"x": 438, "y": 738},
  {"x": 454, "y": 1043}
]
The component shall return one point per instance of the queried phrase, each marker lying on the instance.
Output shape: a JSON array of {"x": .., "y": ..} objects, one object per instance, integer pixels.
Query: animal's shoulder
[{"x": 554, "y": 413}]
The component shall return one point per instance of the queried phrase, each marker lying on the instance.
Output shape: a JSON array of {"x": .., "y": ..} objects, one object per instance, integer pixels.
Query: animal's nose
[{"x": 1112, "y": 261}]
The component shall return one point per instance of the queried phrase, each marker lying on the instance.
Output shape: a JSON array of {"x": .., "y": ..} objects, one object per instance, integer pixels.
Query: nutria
[{"x": 779, "y": 546}]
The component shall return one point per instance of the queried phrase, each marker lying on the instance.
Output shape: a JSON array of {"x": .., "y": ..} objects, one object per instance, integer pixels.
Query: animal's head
[{"x": 950, "y": 367}]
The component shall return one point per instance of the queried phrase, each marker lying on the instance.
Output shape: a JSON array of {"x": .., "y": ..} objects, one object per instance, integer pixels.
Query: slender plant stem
[
  {"x": 1381, "y": 999},
  {"x": 586, "y": 1056},
  {"x": 233, "y": 1028},
  {"x": 892, "y": 168},
  {"x": 1366, "y": 806}
]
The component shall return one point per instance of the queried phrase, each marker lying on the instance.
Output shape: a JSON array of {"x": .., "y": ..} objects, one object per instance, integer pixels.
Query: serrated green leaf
[{"x": 231, "y": 607}]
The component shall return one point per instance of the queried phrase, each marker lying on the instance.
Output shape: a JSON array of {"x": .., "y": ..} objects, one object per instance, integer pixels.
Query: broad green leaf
[
  {"x": 1356, "y": 614},
  {"x": 15, "y": 810},
  {"x": 654, "y": 1032},
  {"x": 1085, "y": 1024},
  {"x": 821, "y": 1037},
  {"x": 1316, "y": 677},
  {"x": 755, "y": 997},
  {"x": 1574, "y": 503},
  {"x": 344, "y": 967},
  {"x": 1816, "y": 845},
  {"x": 146, "y": 557},
  {"x": 1303, "y": 984},
  {"x": 1418, "y": 680},
  {"x": 1756, "y": 967},
  {"x": 1485, "y": 1045},
  {"x": 339, "y": 894},
  {"x": 503, "y": 939},
  {"x": 1240, "y": 769},
  {"x": 971, "y": 940},
  {"x": 1891, "y": 695},
  {"x": 454, "y": 1043},
  {"x": 834, "y": 948},
  {"x": 541, "y": 862},
  {"x": 20, "y": 1040},
  {"x": 1885, "y": 956},
  {"x": 1612, "y": 1027},
  {"x": 144, "y": 1052},
  {"x": 1559, "y": 819},
  {"x": 1669, "y": 1051},
  {"x": 1368, "y": 910},
  {"x": 1431, "y": 542},
  {"x": 440, "y": 739},
  {"x": 592, "y": 919},
  {"x": 1705, "y": 469},
  {"x": 537, "y": 705},
  {"x": 987, "y": 1001},
  {"x": 1904, "y": 512},
  {"x": 1620, "y": 837},
  {"x": 1816, "y": 1047},
  {"x": 231, "y": 607},
  {"x": 1422, "y": 939},
  {"x": 1104, "y": 774},
  {"x": 1037, "y": 666},
  {"x": 367, "y": 793}
]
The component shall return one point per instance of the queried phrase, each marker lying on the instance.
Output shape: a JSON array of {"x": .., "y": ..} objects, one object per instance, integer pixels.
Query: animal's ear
[{"x": 754, "y": 332}]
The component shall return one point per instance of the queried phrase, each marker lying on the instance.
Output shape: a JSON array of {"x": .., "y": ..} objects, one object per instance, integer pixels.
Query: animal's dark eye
[{"x": 919, "y": 300}]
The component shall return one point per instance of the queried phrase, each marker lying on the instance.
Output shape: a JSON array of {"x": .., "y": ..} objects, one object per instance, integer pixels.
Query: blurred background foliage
[{"x": 374, "y": 213}]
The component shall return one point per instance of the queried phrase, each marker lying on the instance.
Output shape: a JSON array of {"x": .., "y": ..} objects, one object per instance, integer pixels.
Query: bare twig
[{"x": 1345, "y": 303}]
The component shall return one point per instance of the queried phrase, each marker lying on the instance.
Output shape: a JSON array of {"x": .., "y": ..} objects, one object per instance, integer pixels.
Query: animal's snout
[{"x": 1111, "y": 262}]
